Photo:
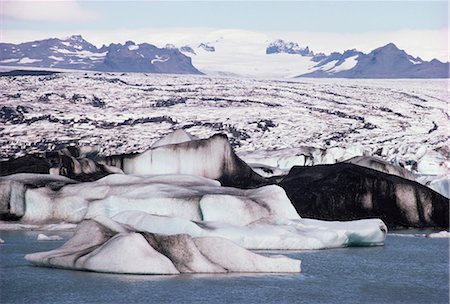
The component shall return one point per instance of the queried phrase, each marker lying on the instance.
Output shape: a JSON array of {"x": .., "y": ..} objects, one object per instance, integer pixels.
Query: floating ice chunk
[
  {"x": 2, "y": 241},
  {"x": 121, "y": 249},
  {"x": 441, "y": 234},
  {"x": 212, "y": 158},
  {"x": 18, "y": 226},
  {"x": 169, "y": 195},
  {"x": 13, "y": 190},
  {"x": 270, "y": 233},
  {"x": 344, "y": 191},
  {"x": 43, "y": 237},
  {"x": 261, "y": 218}
]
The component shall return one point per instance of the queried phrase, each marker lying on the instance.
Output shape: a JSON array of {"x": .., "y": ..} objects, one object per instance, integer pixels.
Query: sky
[{"x": 419, "y": 27}]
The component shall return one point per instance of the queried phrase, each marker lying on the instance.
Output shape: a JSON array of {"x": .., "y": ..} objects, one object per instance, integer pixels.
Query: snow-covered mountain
[
  {"x": 384, "y": 62},
  {"x": 226, "y": 53},
  {"x": 280, "y": 46},
  {"x": 76, "y": 53},
  {"x": 289, "y": 59}
]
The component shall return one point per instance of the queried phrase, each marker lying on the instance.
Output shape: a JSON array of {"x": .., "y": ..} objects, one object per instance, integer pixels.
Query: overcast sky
[{"x": 420, "y": 27}]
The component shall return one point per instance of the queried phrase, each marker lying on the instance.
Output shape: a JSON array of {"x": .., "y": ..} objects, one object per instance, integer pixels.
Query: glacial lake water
[{"x": 405, "y": 270}]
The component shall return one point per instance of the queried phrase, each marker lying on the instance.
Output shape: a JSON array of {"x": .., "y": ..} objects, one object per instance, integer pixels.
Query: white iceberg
[
  {"x": 267, "y": 233},
  {"x": 441, "y": 234},
  {"x": 105, "y": 246},
  {"x": 261, "y": 218},
  {"x": 43, "y": 237}
]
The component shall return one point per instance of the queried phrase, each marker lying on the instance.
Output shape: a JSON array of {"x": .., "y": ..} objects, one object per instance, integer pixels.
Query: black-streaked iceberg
[{"x": 103, "y": 245}]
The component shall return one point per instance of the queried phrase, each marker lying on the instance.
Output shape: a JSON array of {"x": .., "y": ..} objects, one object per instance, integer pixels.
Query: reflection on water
[{"x": 406, "y": 269}]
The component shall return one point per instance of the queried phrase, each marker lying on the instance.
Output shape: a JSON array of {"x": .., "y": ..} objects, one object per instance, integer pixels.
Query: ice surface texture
[
  {"x": 105, "y": 246},
  {"x": 402, "y": 121}
]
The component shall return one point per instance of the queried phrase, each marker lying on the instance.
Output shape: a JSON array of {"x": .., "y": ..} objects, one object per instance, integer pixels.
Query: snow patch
[
  {"x": 349, "y": 63},
  {"x": 133, "y": 47},
  {"x": 56, "y": 58},
  {"x": 81, "y": 54},
  {"x": 27, "y": 60},
  {"x": 9, "y": 60},
  {"x": 159, "y": 59},
  {"x": 415, "y": 61}
]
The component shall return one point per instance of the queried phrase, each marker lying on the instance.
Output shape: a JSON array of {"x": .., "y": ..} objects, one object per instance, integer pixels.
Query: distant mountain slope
[
  {"x": 230, "y": 53},
  {"x": 76, "y": 53},
  {"x": 280, "y": 46},
  {"x": 384, "y": 62}
]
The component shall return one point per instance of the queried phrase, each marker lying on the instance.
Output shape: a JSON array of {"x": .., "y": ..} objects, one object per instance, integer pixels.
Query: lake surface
[{"x": 405, "y": 270}]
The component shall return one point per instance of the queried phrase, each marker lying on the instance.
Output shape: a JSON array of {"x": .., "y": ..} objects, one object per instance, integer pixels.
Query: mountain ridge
[
  {"x": 278, "y": 58},
  {"x": 387, "y": 61},
  {"x": 76, "y": 53}
]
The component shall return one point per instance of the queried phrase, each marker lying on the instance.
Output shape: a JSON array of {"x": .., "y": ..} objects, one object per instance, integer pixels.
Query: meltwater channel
[{"x": 407, "y": 269}]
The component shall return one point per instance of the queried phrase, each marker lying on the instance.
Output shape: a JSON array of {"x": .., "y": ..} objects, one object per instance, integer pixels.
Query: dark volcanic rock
[{"x": 347, "y": 192}]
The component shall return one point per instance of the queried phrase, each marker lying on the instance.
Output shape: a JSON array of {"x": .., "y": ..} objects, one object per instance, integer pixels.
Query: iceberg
[
  {"x": 260, "y": 218},
  {"x": 43, "y": 237},
  {"x": 103, "y": 245},
  {"x": 13, "y": 190},
  {"x": 212, "y": 158},
  {"x": 440, "y": 234},
  {"x": 268, "y": 233},
  {"x": 346, "y": 191}
]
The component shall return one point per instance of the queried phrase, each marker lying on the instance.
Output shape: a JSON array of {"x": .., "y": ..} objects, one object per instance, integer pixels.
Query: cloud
[{"x": 49, "y": 10}]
